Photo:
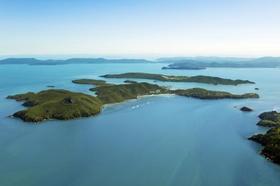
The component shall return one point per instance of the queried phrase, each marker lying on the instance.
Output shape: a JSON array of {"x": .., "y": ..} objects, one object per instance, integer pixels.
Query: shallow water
[{"x": 153, "y": 141}]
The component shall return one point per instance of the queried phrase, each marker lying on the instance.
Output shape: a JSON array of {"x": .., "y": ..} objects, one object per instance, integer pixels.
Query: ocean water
[{"x": 153, "y": 141}]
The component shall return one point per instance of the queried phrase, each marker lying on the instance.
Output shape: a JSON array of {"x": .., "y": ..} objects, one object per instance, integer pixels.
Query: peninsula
[{"x": 172, "y": 78}]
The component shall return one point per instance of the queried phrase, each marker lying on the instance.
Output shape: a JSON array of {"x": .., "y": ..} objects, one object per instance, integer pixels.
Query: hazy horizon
[{"x": 146, "y": 57}]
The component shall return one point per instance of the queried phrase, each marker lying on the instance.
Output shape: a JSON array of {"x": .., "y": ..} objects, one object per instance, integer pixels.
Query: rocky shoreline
[{"x": 271, "y": 139}]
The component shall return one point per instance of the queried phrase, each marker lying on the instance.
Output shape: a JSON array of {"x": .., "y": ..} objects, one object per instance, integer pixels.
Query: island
[
  {"x": 191, "y": 65},
  {"x": 184, "y": 66},
  {"x": 184, "y": 63},
  {"x": 201, "y": 93},
  {"x": 246, "y": 109},
  {"x": 172, "y": 78},
  {"x": 199, "y": 63},
  {"x": 94, "y": 82},
  {"x": 56, "y": 104},
  {"x": 271, "y": 139},
  {"x": 34, "y": 61},
  {"x": 65, "y": 105}
]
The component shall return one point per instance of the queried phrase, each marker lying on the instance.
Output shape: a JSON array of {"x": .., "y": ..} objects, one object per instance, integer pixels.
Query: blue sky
[{"x": 140, "y": 27}]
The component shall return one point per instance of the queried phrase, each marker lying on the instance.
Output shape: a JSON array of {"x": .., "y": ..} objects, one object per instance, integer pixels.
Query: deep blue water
[{"x": 152, "y": 141}]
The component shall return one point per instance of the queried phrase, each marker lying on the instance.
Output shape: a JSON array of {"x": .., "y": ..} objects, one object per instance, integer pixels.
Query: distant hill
[
  {"x": 204, "y": 58},
  {"x": 194, "y": 63},
  {"x": 213, "y": 62},
  {"x": 33, "y": 61}
]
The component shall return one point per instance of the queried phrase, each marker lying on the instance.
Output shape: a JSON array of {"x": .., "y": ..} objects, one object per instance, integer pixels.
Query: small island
[
  {"x": 246, "y": 109},
  {"x": 271, "y": 139},
  {"x": 171, "y": 78},
  {"x": 65, "y": 105},
  {"x": 94, "y": 82}
]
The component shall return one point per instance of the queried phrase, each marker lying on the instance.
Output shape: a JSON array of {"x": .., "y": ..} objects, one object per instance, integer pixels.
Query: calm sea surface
[{"x": 152, "y": 141}]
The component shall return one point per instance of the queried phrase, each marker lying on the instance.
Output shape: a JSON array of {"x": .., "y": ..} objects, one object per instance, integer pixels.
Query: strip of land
[
  {"x": 201, "y": 93},
  {"x": 94, "y": 82},
  {"x": 171, "y": 78}
]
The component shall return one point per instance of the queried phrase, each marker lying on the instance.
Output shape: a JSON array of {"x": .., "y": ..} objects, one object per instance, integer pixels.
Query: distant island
[
  {"x": 187, "y": 63},
  {"x": 172, "y": 78},
  {"x": 271, "y": 139},
  {"x": 34, "y": 61},
  {"x": 65, "y": 105},
  {"x": 200, "y": 63}
]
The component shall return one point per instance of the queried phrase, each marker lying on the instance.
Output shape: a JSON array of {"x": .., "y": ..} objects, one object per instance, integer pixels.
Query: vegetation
[
  {"x": 122, "y": 92},
  {"x": 271, "y": 139},
  {"x": 64, "y": 105},
  {"x": 56, "y": 104},
  {"x": 171, "y": 78},
  {"x": 271, "y": 143},
  {"x": 208, "y": 94},
  {"x": 90, "y": 82},
  {"x": 269, "y": 119}
]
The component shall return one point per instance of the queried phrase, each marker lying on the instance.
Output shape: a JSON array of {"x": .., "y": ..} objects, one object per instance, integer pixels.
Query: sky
[{"x": 140, "y": 27}]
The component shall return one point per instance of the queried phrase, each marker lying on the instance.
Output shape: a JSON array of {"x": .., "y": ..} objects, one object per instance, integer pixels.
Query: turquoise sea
[{"x": 153, "y": 141}]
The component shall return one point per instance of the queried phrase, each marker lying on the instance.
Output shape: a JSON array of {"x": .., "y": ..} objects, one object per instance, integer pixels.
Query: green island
[
  {"x": 65, "y": 105},
  {"x": 271, "y": 139},
  {"x": 56, "y": 104},
  {"x": 171, "y": 78},
  {"x": 201, "y": 93},
  {"x": 119, "y": 93},
  {"x": 94, "y": 82}
]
